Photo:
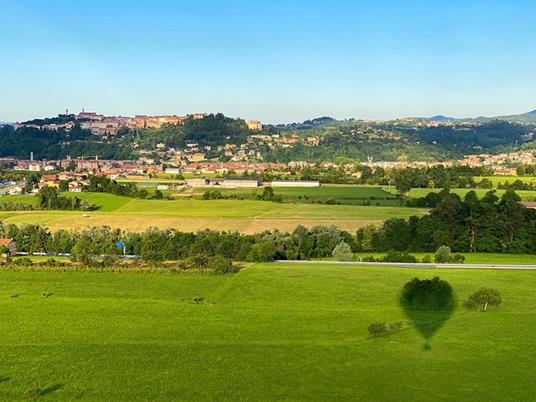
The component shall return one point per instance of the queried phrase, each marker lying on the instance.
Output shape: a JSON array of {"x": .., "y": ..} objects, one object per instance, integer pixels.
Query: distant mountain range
[{"x": 524, "y": 118}]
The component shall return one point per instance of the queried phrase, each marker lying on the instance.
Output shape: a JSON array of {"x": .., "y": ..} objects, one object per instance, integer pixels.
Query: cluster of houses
[
  {"x": 109, "y": 125},
  {"x": 247, "y": 182},
  {"x": 503, "y": 163}
]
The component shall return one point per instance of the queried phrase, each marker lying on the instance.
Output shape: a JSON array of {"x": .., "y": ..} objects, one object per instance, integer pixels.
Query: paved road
[{"x": 413, "y": 265}]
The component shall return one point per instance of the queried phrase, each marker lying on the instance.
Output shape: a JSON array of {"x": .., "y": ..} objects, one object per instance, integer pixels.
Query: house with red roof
[{"x": 10, "y": 244}]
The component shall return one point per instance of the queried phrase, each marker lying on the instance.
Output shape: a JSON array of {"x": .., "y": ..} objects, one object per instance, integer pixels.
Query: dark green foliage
[
  {"x": 24, "y": 261},
  {"x": 221, "y": 265},
  {"x": 49, "y": 199},
  {"x": 102, "y": 184},
  {"x": 483, "y": 298},
  {"x": 399, "y": 256},
  {"x": 212, "y": 195},
  {"x": 213, "y": 129},
  {"x": 52, "y": 144},
  {"x": 377, "y": 329},
  {"x": 488, "y": 224}
]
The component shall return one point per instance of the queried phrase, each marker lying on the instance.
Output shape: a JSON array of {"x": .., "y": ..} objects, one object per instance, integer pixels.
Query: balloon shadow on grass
[{"x": 428, "y": 304}]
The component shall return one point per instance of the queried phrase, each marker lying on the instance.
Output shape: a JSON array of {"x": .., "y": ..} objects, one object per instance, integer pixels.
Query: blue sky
[{"x": 277, "y": 61}]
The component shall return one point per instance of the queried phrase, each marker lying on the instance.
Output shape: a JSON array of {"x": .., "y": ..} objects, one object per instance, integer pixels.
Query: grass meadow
[
  {"x": 270, "y": 332},
  {"x": 343, "y": 194}
]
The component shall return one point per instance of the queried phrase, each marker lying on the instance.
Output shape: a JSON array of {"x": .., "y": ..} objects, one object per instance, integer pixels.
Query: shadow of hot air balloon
[{"x": 428, "y": 304}]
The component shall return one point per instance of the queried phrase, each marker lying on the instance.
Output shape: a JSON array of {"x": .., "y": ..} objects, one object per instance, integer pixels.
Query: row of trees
[
  {"x": 489, "y": 224},
  {"x": 48, "y": 198},
  {"x": 159, "y": 245},
  {"x": 102, "y": 184}
]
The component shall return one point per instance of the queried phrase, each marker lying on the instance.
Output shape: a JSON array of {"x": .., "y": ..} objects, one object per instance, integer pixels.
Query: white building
[
  {"x": 295, "y": 183},
  {"x": 241, "y": 182}
]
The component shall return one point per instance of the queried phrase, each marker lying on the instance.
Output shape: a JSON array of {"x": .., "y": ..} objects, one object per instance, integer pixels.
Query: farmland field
[
  {"x": 246, "y": 216},
  {"x": 270, "y": 332},
  {"x": 503, "y": 179},
  {"x": 343, "y": 194}
]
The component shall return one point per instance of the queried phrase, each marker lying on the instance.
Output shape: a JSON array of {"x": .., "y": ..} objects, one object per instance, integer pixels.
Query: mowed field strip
[
  {"x": 247, "y": 216},
  {"x": 270, "y": 332}
]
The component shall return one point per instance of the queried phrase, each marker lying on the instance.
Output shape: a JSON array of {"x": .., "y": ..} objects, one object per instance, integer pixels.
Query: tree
[
  {"x": 264, "y": 251},
  {"x": 64, "y": 186},
  {"x": 442, "y": 255},
  {"x": 484, "y": 297},
  {"x": 342, "y": 252},
  {"x": 221, "y": 265},
  {"x": 4, "y": 252},
  {"x": 150, "y": 251}
]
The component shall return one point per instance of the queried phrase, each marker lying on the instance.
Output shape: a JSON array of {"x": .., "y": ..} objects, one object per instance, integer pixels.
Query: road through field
[{"x": 413, "y": 265}]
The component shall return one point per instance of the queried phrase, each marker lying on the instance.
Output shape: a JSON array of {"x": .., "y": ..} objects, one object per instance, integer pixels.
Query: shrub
[
  {"x": 221, "y": 265},
  {"x": 261, "y": 252},
  {"x": 395, "y": 326},
  {"x": 24, "y": 261},
  {"x": 109, "y": 260},
  {"x": 442, "y": 255},
  {"x": 457, "y": 258},
  {"x": 377, "y": 329},
  {"x": 484, "y": 297},
  {"x": 399, "y": 256},
  {"x": 342, "y": 252},
  {"x": 212, "y": 195},
  {"x": 426, "y": 259},
  {"x": 197, "y": 261}
]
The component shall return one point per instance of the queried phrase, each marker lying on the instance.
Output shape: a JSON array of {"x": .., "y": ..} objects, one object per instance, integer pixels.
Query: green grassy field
[
  {"x": 19, "y": 199},
  {"x": 343, "y": 194},
  {"x": 271, "y": 332}
]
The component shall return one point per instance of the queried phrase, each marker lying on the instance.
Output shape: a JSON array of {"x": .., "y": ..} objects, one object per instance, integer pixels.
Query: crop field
[
  {"x": 246, "y": 216},
  {"x": 342, "y": 194},
  {"x": 503, "y": 179},
  {"x": 270, "y": 332}
]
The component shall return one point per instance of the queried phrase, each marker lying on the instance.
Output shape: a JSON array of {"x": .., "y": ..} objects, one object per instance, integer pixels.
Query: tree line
[{"x": 471, "y": 224}]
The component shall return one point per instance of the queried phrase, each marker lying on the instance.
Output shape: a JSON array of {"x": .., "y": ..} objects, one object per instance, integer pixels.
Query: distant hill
[
  {"x": 523, "y": 118},
  {"x": 440, "y": 117},
  {"x": 307, "y": 124}
]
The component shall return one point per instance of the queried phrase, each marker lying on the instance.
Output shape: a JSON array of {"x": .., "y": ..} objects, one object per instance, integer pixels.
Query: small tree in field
[
  {"x": 484, "y": 297},
  {"x": 442, "y": 255},
  {"x": 377, "y": 329},
  {"x": 342, "y": 252},
  {"x": 4, "y": 252}
]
